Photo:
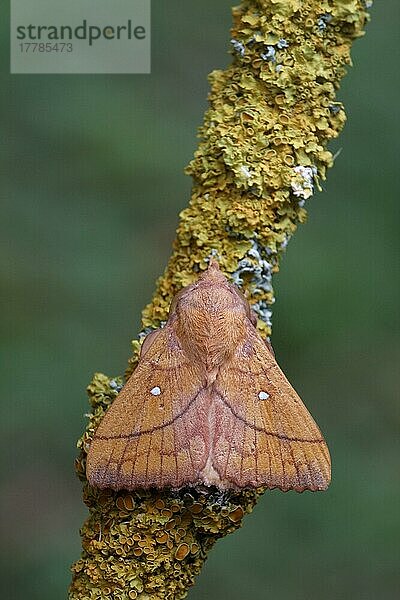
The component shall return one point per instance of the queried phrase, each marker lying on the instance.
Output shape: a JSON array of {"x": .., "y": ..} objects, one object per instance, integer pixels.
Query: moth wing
[
  {"x": 265, "y": 435},
  {"x": 151, "y": 434}
]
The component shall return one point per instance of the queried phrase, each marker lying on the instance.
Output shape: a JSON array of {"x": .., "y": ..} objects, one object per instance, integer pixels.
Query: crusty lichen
[
  {"x": 264, "y": 140},
  {"x": 262, "y": 153}
]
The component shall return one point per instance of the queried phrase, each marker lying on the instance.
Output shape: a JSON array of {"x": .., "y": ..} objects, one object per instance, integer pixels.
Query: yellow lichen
[{"x": 263, "y": 151}]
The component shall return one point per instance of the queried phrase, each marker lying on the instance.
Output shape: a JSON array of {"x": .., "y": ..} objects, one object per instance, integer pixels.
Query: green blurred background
[{"x": 92, "y": 183}]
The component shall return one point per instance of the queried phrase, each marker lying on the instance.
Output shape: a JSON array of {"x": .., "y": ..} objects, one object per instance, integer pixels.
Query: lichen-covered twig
[{"x": 263, "y": 151}]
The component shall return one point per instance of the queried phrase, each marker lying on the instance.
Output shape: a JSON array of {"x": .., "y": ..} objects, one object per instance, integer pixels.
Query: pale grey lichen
[
  {"x": 323, "y": 21},
  {"x": 303, "y": 185},
  {"x": 239, "y": 47},
  {"x": 282, "y": 43},
  {"x": 269, "y": 54},
  {"x": 263, "y": 312}
]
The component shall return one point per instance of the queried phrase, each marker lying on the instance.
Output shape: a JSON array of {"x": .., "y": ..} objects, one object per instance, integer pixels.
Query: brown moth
[{"x": 208, "y": 405}]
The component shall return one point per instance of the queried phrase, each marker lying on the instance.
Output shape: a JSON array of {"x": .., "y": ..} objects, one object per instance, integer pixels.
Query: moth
[{"x": 208, "y": 405}]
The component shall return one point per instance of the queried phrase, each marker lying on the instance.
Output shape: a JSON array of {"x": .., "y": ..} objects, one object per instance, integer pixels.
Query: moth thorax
[{"x": 211, "y": 337}]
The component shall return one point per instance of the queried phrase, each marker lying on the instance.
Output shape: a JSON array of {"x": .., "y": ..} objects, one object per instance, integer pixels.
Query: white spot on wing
[
  {"x": 155, "y": 391},
  {"x": 263, "y": 395}
]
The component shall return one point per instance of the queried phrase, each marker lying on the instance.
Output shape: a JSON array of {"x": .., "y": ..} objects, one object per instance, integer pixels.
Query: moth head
[
  {"x": 211, "y": 277},
  {"x": 212, "y": 293},
  {"x": 213, "y": 273}
]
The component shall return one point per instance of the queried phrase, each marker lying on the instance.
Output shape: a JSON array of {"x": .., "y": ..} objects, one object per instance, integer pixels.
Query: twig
[{"x": 261, "y": 156}]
